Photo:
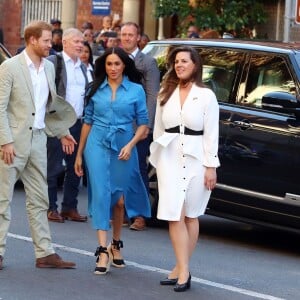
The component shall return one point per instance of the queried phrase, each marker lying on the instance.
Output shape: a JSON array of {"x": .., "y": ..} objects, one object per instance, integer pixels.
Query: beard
[{"x": 42, "y": 52}]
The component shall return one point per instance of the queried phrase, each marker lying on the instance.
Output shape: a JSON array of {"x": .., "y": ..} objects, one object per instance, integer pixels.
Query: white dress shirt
[
  {"x": 134, "y": 53},
  {"x": 89, "y": 70},
  {"x": 40, "y": 91},
  {"x": 75, "y": 84}
]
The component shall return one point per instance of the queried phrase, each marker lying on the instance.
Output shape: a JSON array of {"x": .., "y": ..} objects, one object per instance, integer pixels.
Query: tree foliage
[
  {"x": 167, "y": 8},
  {"x": 220, "y": 15}
]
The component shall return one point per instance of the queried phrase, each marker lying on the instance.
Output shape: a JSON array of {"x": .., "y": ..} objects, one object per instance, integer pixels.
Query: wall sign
[{"x": 101, "y": 7}]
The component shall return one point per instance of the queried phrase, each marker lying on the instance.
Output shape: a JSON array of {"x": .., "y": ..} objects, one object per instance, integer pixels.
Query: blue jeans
[{"x": 55, "y": 157}]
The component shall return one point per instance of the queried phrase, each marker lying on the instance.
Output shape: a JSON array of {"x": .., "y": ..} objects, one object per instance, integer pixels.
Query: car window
[
  {"x": 219, "y": 67},
  {"x": 160, "y": 54},
  {"x": 219, "y": 70},
  {"x": 266, "y": 73}
]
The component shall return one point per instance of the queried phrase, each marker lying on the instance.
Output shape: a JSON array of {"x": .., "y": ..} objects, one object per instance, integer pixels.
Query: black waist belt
[{"x": 187, "y": 131}]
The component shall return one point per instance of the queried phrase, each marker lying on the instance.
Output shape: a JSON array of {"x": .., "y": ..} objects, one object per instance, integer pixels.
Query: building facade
[{"x": 15, "y": 14}]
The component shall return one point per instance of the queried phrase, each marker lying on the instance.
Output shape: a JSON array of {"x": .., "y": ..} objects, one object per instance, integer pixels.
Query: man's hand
[
  {"x": 68, "y": 144},
  {"x": 8, "y": 153}
]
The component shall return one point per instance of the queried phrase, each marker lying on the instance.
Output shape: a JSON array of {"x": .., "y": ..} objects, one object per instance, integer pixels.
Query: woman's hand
[
  {"x": 125, "y": 152},
  {"x": 210, "y": 178},
  {"x": 78, "y": 166}
]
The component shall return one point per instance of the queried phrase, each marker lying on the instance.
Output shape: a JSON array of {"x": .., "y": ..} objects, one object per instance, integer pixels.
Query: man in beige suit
[{"x": 29, "y": 110}]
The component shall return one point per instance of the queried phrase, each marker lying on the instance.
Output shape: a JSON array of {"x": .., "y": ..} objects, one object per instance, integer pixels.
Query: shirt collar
[
  {"x": 124, "y": 83},
  {"x": 29, "y": 61},
  {"x": 134, "y": 53},
  {"x": 67, "y": 58},
  {"x": 89, "y": 67}
]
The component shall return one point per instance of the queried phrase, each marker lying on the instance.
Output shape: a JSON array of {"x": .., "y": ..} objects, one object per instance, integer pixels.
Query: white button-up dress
[{"x": 180, "y": 159}]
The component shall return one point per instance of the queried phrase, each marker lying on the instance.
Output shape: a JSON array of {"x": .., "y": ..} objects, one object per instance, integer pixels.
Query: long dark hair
[
  {"x": 100, "y": 73},
  {"x": 170, "y": 79},
  {"x": 91, "y": 61}
]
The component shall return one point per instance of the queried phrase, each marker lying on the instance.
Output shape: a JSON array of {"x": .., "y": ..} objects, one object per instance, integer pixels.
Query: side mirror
[{"x": 282, "y": 102}]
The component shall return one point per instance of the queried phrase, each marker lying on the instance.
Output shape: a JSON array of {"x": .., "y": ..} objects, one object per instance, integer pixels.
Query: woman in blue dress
[{"x": 116, "y": 100}]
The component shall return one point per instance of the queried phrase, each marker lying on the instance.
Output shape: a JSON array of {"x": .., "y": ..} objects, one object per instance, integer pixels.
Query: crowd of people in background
[
  {"x": 110, "y": 35},
  {"x": 98, "y": 39}
]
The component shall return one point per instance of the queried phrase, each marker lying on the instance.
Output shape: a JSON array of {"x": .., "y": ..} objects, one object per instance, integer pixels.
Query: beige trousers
[{"x": 31, "y": 167}]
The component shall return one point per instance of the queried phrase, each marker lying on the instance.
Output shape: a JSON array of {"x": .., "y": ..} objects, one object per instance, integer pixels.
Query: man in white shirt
[{"x": 71, "y": 81}]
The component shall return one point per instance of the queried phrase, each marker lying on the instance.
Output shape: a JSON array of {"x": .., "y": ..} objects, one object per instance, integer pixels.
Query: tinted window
[
  {"x": 266, "y": 73},
  {"x": 220, "y": 68},
  {"x": 160, "y": 54}
]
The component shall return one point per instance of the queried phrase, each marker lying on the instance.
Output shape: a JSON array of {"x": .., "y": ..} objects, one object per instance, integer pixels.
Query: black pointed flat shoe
[
  {"x": 183, "y": 286},
  {"x": 169, "y": 281}
]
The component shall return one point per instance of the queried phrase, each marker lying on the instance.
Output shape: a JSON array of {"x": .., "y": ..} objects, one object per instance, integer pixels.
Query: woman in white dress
[{"x": 185, "y": 155}]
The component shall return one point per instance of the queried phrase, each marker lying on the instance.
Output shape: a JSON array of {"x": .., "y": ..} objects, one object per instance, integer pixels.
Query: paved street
[{"x": 232, "y": 261}]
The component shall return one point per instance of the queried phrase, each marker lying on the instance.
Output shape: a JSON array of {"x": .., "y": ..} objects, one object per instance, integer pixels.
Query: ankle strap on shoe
[
  {"x": 117, "y": 244},
  {"x": 100, "y": 250}
]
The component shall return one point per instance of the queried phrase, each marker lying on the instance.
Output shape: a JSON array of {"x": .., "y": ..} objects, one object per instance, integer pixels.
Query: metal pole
[
  {"x": 287, "y": 20},
  {"x": 160, "y": 28}
]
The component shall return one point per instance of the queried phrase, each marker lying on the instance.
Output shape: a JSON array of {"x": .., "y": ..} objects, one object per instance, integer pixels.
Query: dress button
[
  {"x": 33, "y": 114},
  {"x": 30, "y": 128}
]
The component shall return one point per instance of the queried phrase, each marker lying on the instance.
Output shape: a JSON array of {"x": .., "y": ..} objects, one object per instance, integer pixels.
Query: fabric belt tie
[
  {"x": 187, "y": 131},
  {"x": 110, "y": 141}
]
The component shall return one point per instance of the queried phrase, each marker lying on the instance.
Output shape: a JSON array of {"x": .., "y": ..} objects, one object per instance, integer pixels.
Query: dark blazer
[{"x": 151, "y": 81}]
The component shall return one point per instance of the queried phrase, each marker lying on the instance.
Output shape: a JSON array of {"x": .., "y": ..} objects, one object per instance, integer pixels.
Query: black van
[{"x": 257, "y": 86}]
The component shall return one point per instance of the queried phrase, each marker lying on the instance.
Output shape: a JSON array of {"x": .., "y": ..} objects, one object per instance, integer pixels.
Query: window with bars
[{"x": 44, "y": 10}]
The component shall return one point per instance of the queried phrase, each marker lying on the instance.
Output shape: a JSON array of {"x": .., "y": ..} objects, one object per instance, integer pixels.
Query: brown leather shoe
[
  {"x": 54, "y": 216},
  {"x": 54, "y": 261},
  {"x": 73, "y": 215},
  {"x": 139, "y": 224},
  {"x": 1, "y": 262}
]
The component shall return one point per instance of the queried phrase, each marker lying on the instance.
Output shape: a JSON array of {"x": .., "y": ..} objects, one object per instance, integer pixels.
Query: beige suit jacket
[{"x": 17, "y": 107}]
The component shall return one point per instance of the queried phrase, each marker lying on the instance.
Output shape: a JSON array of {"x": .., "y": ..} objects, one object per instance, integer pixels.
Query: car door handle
[{"x": 242, "y": 124}]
